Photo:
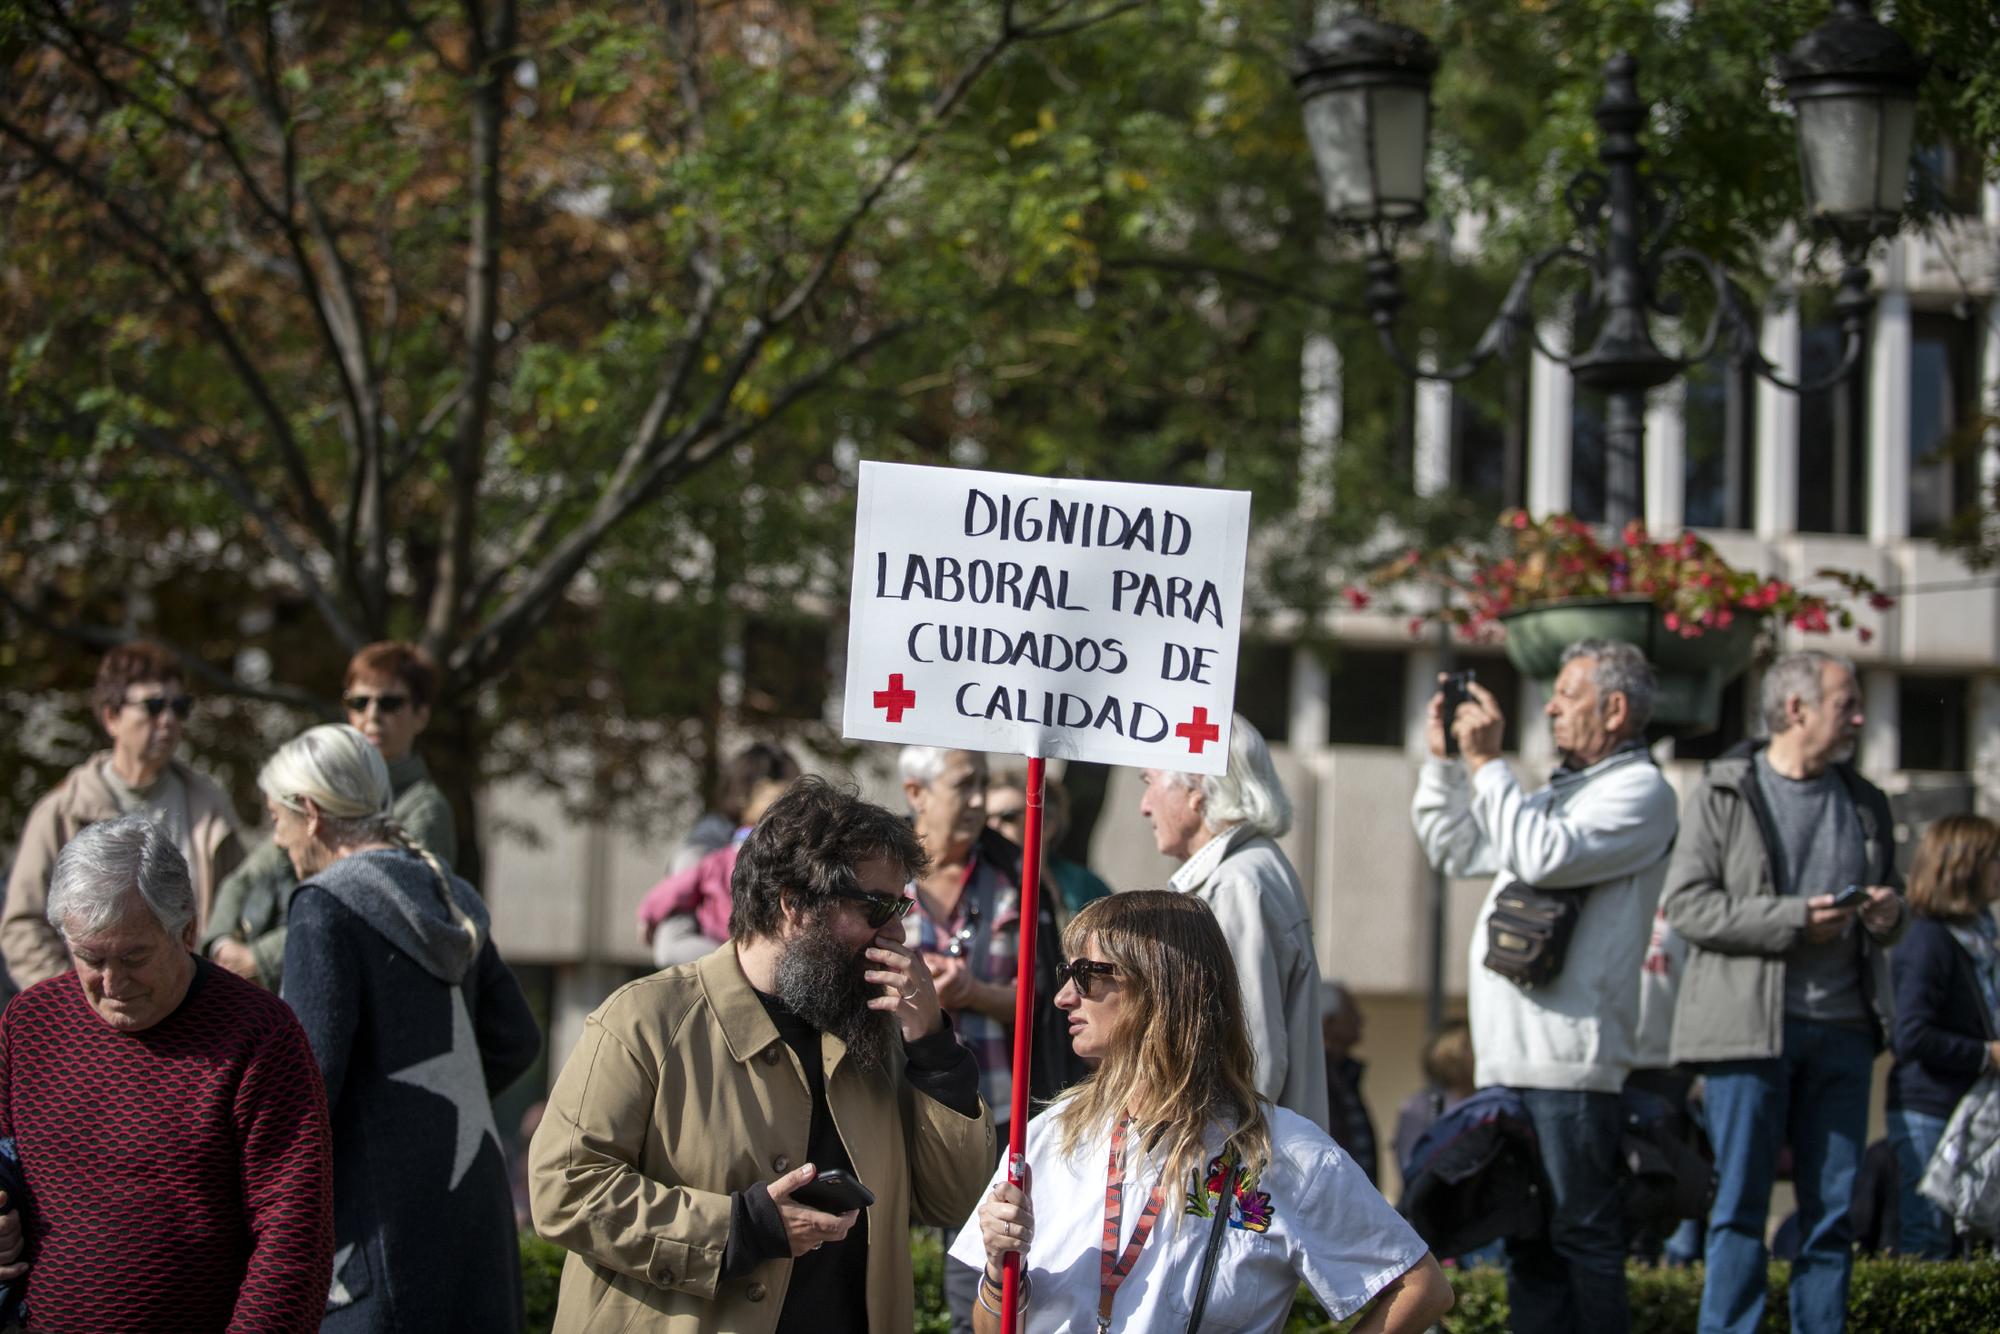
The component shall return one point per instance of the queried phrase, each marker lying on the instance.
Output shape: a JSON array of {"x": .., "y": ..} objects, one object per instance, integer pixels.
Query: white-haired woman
[
  {"x": 415, "y": 1023},
  {"x": 1223, "y": 828},
  {"x": 1163, "y": 1185}
]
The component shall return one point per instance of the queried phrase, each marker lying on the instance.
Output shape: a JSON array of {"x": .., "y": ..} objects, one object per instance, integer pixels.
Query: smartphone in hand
[
  {"x": 1853, "y": 896},
  {"x": 834, "y": 1192}
]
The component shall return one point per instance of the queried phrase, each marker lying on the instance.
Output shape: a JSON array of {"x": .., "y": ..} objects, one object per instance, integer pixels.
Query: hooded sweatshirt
[{"x": 416, "y": 1024}]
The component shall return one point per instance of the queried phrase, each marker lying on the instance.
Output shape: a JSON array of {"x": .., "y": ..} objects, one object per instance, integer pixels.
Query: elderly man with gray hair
[
  {"x": 1223, "y": 829},
  {"x": 1581, "y": 861},
  {"x": 1784, "y": 886},
  {"x": 170, "y": 1121}
]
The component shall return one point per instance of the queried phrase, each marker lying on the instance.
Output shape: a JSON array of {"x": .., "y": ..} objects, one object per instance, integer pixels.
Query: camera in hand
[{"x": 1455, "y": 694}]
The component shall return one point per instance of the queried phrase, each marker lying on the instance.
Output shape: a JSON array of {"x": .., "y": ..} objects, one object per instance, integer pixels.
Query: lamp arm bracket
[
  {"x": 1852, "y": 344},
  {"x": 1514, "y": 319}
]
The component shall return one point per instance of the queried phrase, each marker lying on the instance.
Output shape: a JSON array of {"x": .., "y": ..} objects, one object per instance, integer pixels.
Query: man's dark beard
[{"x": 819, "y": 979}]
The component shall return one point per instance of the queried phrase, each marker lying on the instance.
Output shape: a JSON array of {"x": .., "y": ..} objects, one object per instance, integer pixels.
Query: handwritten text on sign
[{"x": 1039, "y": 616}]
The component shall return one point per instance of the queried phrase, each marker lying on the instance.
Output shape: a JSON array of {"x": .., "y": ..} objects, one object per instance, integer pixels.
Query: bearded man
[{"x": 703, "y": 1098}]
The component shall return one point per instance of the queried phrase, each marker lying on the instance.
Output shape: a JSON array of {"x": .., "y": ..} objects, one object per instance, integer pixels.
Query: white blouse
[{"x": 1309, "y": 1217}]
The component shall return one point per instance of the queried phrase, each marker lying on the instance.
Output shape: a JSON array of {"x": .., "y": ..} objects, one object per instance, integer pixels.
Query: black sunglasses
[
  {"x": 182, "y": 705},
  {"x": 1078, "y": 973},
  {"x": 882, "y": 909},
  {"x": 382, "y": 703}
]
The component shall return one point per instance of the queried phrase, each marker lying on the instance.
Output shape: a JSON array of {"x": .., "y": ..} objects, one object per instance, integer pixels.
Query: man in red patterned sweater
[{"x": 169, "y": 1117}]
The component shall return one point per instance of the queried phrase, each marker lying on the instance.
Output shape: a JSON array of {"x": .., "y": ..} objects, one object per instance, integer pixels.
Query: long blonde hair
[
  {"x": 1179, "y": 1059},
  {"x": 343, "y": 774}
]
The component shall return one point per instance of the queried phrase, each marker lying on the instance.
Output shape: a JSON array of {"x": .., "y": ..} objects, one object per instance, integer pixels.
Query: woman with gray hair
[
  {"x": 1223, "y": 828},
  {"x": 416, "y": 1024}
]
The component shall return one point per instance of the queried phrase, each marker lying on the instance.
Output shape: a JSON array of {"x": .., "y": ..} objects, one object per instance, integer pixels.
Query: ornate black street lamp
[{"x": 1365, "y": 90}]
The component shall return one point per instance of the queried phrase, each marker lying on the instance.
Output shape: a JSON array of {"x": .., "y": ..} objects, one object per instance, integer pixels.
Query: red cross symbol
[
  {"x": 895, "y": 699},
  {"x": 1198, "y": 730}
]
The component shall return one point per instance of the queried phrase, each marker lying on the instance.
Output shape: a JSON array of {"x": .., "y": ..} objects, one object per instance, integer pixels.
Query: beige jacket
[
  {"x": 33, "y": 948},
  {"x": 680, "y": 1092}
]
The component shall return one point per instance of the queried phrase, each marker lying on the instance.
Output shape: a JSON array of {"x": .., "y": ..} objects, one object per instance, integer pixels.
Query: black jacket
[
  {"x": 1942, "y": 1027},
  {"x": 1475, "y": 1176}
]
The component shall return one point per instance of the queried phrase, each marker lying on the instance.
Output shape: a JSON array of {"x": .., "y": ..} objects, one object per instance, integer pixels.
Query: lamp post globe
[
  {"x": 1854, "y": 85},
  {"x": 1365, "y": 92}
]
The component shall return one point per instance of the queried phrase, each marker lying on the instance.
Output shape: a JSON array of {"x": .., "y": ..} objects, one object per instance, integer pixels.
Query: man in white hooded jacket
[{"x": 1600, "y": 830}]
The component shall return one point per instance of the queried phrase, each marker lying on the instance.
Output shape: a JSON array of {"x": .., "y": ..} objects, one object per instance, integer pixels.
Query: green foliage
[
  {"x": 541, "y": 1277},
  {"x": 247, "y": 403},
  {"x": 1886, "y": 1296}
]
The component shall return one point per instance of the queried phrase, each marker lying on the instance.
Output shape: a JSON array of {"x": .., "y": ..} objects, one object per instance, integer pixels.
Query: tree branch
[
  {"x": 178, "y": 270},
  {"x": 103, "y": 637},
  {"x": 494, "y": 57}
]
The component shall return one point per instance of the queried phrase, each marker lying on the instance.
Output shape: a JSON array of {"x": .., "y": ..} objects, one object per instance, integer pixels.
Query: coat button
[
  {"x": 770, "y": 1055},
  {"x": 666, "y": 1278},
  {"x": 781, "y": 1164},
  {"x": 755, "y": 1292}
]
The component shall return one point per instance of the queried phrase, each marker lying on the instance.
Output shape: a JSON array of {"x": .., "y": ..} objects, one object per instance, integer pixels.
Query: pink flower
[
  {"x": 1673, "y": 621},
  {"x": 1416, "y": 626},
  {"x": 1723, "y": 617},
  {"x": 1355, "y": 597},
  {"x": 1866, "y": 634},
  {"x": 1518, "y": 519},
  {"x": 1881, "y": 601}
]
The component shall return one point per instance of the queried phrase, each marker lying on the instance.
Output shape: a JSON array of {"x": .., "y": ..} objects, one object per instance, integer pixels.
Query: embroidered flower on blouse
[{"x": 1253, "y": 1211}]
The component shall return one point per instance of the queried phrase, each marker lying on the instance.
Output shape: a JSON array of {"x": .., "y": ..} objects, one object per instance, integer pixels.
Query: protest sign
[{"x": 1045, "y": 617}]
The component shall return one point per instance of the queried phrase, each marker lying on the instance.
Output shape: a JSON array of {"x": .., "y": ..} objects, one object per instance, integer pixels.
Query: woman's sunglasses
[
  {"x": 881, "y": 909},
  {"x": 382, "y": 703},
  {"x": 1079, "y": 972}
]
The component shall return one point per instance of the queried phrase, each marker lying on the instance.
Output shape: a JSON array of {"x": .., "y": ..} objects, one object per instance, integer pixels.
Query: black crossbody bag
[{"x": 1528, "y": 933}]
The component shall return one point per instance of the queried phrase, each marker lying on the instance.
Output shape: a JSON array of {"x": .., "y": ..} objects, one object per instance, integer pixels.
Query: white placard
[{"x": 1045, "y": 617}]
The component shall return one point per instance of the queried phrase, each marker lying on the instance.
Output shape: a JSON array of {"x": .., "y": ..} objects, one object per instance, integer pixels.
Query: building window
[
  {"x": 1719, "y": 425},
  {"x": 1489, "y": 436},
  {"x": 1365, "y": 696},
  {"x": 1943, "y": 398},
  {"x": 1264, "y": 687},
  {"x": 1833, "y": 434},
  {"x": 784, "y": 668},
  {"x": 1933, "y": 714},
  {"x": 1945, "y": 178}
]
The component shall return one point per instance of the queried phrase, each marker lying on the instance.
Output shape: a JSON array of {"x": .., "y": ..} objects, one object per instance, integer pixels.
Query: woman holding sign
[{"x": 1197, "y": 1199}]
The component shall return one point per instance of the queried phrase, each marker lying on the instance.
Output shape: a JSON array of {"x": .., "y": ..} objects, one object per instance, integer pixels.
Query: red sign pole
[{"x": 1024, "y": 1026}]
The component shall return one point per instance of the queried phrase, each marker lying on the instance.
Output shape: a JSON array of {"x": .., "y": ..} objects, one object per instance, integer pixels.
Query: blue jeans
[
  {"x": 1815, "y": 1097},
  {"x": 1574, "y": 1278},
  {"x": 1926, "y": 1235}
]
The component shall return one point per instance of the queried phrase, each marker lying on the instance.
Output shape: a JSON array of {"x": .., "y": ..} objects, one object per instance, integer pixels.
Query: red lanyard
[{"x": 1109, "y": 1273}]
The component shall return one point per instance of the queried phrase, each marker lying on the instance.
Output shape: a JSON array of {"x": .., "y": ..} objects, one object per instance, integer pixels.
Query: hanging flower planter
[
  {"x": 1692, "y": 671},
  {"x": 1544, "y": 584}
]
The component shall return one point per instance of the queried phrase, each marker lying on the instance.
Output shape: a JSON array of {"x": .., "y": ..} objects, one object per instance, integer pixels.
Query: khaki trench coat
[{"x": 680, "y": 1092}]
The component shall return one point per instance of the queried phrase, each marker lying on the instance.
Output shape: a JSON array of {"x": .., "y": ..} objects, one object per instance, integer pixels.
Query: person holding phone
[
  {"x": 1165, "y": 1188},
  {"x": 742, "y": 1142},
  {"x": 1786, "y": 998}
]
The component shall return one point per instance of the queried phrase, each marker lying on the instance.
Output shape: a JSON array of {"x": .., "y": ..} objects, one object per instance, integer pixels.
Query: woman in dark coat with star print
[{"x": 416, "y": 1024}]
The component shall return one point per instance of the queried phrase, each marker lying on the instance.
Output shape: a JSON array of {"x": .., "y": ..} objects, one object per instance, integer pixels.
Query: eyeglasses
[
  {"x": 881, "y": 909},
  {"x": 382, "y": 703},
  {"x": 155, "y": 705},
  {"x": 1078, "y": 972}
]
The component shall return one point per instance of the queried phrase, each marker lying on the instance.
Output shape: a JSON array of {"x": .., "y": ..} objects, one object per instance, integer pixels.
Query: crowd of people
[
  {"x": 251, "y": 1089},
  {"x": 1734, "y": 948}
]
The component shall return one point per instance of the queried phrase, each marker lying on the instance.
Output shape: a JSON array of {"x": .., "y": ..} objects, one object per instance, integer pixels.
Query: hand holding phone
[
  {"x": 1851, "y": 896},
  {"x": 834, "y": 1192}
]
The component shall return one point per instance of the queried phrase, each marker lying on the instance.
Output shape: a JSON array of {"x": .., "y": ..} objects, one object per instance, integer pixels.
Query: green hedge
[{"x": 1887, "y": 1297}]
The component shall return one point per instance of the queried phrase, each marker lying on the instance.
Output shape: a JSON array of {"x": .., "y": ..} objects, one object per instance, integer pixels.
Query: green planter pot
[{"x": 1692, "y": 672}]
